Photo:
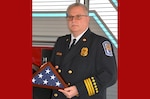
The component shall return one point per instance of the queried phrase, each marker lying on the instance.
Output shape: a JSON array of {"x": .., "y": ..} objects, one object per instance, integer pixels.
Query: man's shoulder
[
  {"x": 99, "y": 37},
  {"x": 64, "y": 36}
]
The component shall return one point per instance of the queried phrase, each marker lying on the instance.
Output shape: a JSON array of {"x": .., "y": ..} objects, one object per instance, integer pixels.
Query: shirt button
[
  {"x": 55, "y": 95},
  {"x": 70, "y": 71},
  {"x": 59, "y": 70},
  {"x": 69, "y": 84}
]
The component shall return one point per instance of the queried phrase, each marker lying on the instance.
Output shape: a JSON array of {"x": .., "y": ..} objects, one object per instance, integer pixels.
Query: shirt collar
[{"x": 78, "y": 37}]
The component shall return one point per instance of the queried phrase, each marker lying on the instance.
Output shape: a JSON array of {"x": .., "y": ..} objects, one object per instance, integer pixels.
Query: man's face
[{"x": 77, "y": 20}]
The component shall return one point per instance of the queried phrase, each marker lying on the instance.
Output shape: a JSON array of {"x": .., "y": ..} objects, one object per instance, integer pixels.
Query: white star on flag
[
  {"x": 48, "y": 71},
  {"x": 40, "y": 75},
  {"x": 52, "y": 77}
]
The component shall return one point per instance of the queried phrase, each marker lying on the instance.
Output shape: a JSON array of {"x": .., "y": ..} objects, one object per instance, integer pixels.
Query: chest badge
[{"x": 84, "y": 51}]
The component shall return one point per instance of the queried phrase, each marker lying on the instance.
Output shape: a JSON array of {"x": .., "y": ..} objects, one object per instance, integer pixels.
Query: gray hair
[{"x": 77, "y": 5}]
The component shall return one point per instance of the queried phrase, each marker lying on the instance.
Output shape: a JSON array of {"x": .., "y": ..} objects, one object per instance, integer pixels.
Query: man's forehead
[{"x": 76, "y": 12}]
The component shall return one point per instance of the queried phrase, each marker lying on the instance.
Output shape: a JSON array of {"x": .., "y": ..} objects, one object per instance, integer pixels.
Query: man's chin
[
  {"x": 74, "y": 31},
  {"x": 74, "y": 28}
]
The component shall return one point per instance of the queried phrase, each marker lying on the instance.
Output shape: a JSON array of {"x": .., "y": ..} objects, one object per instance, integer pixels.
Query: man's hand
[{"x": 69, "y": 92}]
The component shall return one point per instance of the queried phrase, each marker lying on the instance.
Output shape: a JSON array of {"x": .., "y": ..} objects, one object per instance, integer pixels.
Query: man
[{"x": 89, "y": 66}]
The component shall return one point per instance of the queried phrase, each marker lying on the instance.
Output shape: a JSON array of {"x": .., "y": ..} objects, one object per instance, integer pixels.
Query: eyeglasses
[{"x": 77, "y": 17}]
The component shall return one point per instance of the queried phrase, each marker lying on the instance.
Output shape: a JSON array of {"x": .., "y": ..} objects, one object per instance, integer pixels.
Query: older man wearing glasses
[{"x": 85, "y": 61}]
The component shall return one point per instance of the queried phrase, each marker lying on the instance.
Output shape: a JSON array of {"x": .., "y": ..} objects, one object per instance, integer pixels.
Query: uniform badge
[
  {"x": 84, "y": 51},
  {"x": 58, "y": 53},
  {"x": 107, "y": 48}
]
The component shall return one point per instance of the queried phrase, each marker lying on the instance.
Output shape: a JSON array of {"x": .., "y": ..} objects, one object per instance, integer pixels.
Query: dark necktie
[{"x": 74, "y": 40}]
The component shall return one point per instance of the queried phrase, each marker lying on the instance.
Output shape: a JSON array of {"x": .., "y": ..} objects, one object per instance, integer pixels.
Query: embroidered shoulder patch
[{"x": 107, "y": 48}]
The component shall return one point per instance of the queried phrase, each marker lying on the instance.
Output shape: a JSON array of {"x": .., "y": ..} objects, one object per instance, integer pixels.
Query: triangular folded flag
[{"x": 48, "y": 77}]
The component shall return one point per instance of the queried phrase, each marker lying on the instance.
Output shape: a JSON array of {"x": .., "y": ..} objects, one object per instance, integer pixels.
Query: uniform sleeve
[{"x": 105, "y": 74}]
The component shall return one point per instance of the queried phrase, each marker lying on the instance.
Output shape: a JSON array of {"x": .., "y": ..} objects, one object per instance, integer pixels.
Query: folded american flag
[{"x": 48, "y": 77}]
